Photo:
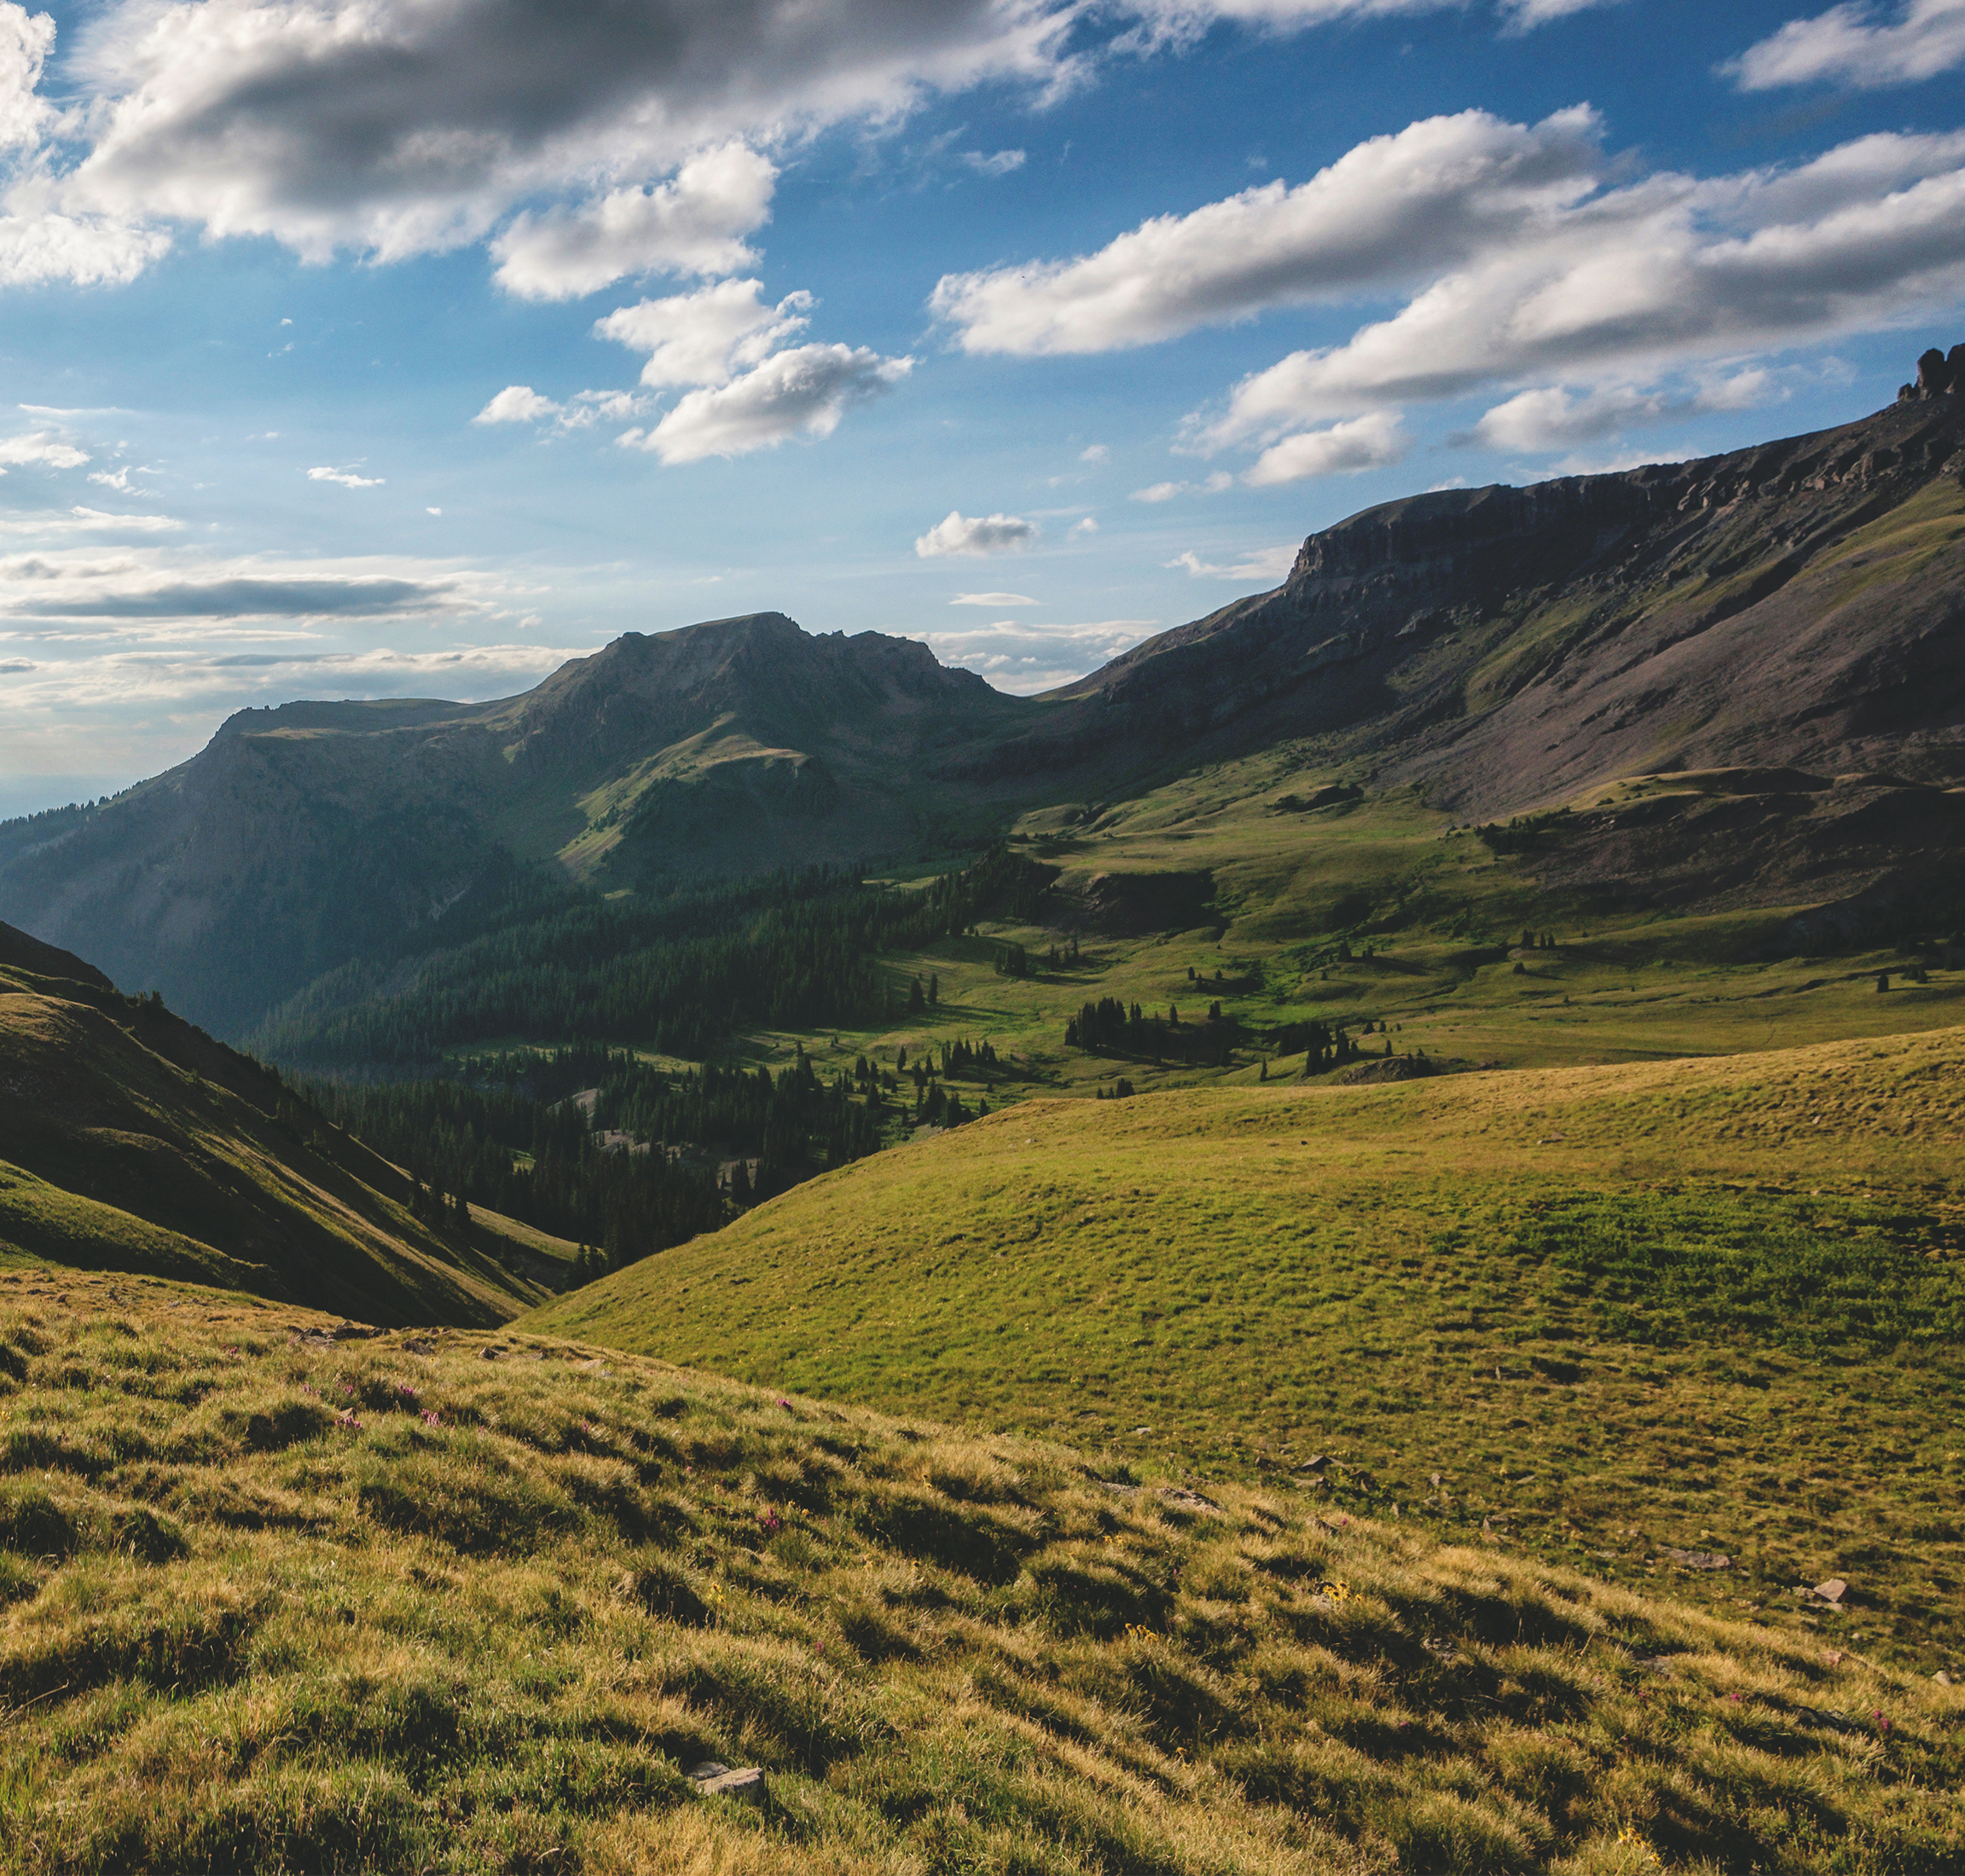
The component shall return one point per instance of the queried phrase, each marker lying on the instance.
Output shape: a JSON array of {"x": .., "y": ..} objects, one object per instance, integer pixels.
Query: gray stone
[
  {"x": 1696, "y": 1560},
  {"x": 1833, "y": 1590},
  {"x": 746, "y": 1786}
]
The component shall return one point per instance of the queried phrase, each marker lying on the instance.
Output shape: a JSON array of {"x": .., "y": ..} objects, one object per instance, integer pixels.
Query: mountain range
[{"x": 1789, "y": 615}]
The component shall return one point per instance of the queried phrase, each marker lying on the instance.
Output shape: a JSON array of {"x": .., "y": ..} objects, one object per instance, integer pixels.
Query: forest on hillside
[{"x": 678, "y": 976}]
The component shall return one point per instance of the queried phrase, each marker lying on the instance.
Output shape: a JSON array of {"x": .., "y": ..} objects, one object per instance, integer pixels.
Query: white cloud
[
  {"x": 1165, "y": 491},
  {"x": 1392, "y": 208},
  {"x": 393, "y": 127},
  {"x": 120, "y": 480},
  {"x": 996, "y": 599},
  {"x": 958, "y": 535},
  {"x": 42, "y": 447},
  {"x": 804, "y": 391},
  {"x": 1524, "y": 15},
  {"x": 155, "y": 589},
  {"x": 347, "y": 478},
  {"x": 1087, "y": 526},
  {"x": 517, "y": 404},
  {"x": 1650, "y": 277},
  {"x": 80, "y": 520},
  {"x": 1096, "y": 452},
  {"x": 707, "y": 337},
  {"x": 691, "y": 225},
  {"x": 1272, "y": 564},
  {"x": 1373, "y": 440},
  {"x": 1001, "y": 163},
  {"x": 26, "y": 41},
  {"x": 1021, "y": 657},
  {"x": 1858, "y": 46},
  {"x": 1551, "y": 417}
]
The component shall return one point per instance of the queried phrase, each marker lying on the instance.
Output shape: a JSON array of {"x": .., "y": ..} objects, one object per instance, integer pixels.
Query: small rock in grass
[
  {"x": 1696, "y": 1560},
  {"x": 1833, "y": 1590},
  {"x": 1942, "y": 1678},
  {"x": 492, "y": 1354},
  {"x": 1186, "y": 1500},
  {"x": 746, "y": 1786}
]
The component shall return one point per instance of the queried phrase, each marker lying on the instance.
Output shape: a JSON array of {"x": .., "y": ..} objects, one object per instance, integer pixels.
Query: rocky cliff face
[{"x": 1504, "y": 645}]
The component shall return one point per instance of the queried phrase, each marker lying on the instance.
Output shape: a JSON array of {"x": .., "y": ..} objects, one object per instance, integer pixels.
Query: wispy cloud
[
  {"x": 347, "y": 478},
  {"x": 1022, "y": 657}
]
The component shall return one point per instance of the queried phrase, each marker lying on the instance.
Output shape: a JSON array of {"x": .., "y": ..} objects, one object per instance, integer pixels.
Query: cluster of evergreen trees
[
  {"x": 505, "y": 1134},
  {"x": 1110, "y": 1027},
  {"x": 676, "y": 975}
]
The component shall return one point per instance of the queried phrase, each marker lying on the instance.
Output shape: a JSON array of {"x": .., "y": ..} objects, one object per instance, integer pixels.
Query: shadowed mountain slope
[
  {"x": 1798, "y": 608},
  {"x": 1800, "y": 603},
  {"x": 131, "y": 1141}
]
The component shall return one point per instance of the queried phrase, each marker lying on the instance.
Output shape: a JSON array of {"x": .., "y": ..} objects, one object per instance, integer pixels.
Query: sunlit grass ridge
[{"x": 278, "y": 1603}]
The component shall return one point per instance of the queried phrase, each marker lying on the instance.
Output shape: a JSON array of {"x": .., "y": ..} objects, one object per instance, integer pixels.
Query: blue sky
[{"x": 408, "y": 349}]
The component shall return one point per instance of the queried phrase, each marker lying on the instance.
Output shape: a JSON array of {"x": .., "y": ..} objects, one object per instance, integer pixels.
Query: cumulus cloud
[
  {"x": 959, "y": 535},
  {"x": 691, "y": 225},
  {"x": 707, "y": 337},
  {"x": 1095, "y": 452},
  {"x": 996, "y": 599},
  {"x": 43, "y": 446},
  {"x": 801, "y": 392},
  {"x": 585, "y": 144},
  {"x": 347, "y": 478},
  {"x": 1272, "y": 564},
  {"x": 1435, "y": 194},
  {"x": 1865, "y": 47},
  {"x": 1085, "y": 526},
  {"x": 1649, "y": 277},
  {"x": 1374, "y": 441},
  {"x": 1552, "y": 417},
  {"x": 516, "y": 404},
  {"x": 1020, "y": 658},
  {"x": 393, "y": 127}
]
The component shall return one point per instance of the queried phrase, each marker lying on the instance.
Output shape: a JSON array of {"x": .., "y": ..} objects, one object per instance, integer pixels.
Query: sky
[{"x": 363, "y": 348}]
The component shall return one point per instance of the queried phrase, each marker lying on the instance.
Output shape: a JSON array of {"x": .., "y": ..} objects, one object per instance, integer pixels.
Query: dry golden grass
[{"x": 279, "y": 1604}]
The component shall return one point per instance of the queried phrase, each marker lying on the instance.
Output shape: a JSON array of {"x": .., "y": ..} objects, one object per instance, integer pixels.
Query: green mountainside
[
  {"x": 1790, "y": 613},
  {"x": 131, "y": 1141},
  {"x": 1621, "y": 1314}
]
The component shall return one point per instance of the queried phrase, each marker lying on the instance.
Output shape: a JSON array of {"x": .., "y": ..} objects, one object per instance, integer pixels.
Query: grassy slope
[
  {"x": 1712, "y": 1304},
  {"x": 130, "y": 1141},
  {"x": 275, "y": 1604}
]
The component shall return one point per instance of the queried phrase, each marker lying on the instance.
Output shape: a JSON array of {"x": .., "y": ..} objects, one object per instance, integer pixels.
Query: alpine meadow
[{"x": 932, "y": 1230}]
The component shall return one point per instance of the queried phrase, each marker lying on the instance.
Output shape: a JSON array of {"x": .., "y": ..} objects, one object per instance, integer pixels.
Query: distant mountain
[
  {"x": 1793, "y": 610},
  {"x": 303, "y": 837},
  {"x": 131, "y": 1141}
]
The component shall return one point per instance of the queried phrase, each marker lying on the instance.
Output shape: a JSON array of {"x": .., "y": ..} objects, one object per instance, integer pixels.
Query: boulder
[
  {"x": 1833, "y": 1590},
  {"x": 1934, "y": 373}
]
